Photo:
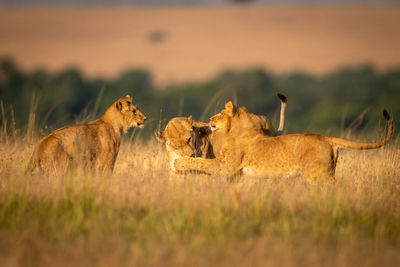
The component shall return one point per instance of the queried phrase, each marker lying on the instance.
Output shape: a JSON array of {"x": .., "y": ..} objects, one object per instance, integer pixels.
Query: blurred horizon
[{"x": 179, "y": 44}]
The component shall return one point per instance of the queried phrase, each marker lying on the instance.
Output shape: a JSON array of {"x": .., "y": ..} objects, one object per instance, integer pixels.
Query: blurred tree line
[{"x": 325, "y": 105}]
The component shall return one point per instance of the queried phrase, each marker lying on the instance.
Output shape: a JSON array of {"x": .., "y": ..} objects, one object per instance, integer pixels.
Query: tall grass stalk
[
  {"x": 4, "y": 124},
  {"x": 7, "y": 129},
  {"x": 31, "y": 127}
]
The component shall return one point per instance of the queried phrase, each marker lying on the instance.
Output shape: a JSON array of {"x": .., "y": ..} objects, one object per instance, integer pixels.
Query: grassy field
[{"x": 141, "y": 217}]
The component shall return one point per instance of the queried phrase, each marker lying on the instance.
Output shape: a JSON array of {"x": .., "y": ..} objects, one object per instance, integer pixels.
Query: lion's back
[{"x": 65, "y": 144}]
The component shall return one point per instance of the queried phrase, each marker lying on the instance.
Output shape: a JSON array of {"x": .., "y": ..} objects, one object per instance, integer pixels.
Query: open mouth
[{"x": 140, "y": 125}]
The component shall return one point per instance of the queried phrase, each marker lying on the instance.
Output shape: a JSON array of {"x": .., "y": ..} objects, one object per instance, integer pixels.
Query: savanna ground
[{"x": 141, "y": 217}]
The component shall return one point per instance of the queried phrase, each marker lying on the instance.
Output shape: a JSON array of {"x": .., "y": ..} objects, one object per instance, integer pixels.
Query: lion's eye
[{"x": 134, "y": 111}]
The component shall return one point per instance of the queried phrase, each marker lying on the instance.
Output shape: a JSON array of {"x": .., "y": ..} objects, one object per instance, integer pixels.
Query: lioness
[
  {"x": 93, "y": 146},
  {"x": 178, "y": 138},
  {"x": 259, "y": 122},
  {"x": 185, "y": 137},
  {"x": 246, "y": 150}
]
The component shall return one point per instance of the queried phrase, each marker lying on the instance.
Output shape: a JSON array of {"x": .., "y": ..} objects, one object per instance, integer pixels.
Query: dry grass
[{"x": 141, "y": 217}]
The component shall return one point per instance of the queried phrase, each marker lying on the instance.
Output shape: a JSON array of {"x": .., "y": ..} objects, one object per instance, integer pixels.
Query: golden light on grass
[{"x": 142, "y": 217}]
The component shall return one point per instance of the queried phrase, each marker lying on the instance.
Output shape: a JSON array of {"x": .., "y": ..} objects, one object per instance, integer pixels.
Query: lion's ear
[
  {"x": 118, "y": 105},
  {"x": 160, "y": 136},
  {"x": 230, "y": 108},
  {"x": 128, "y": 96},
  {"x": 190, "y": 120}
]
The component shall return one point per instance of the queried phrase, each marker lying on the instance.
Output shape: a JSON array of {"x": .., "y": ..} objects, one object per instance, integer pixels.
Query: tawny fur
[
  {"x": 92, "y": 146},
  {"x": 247, "y": 151}
]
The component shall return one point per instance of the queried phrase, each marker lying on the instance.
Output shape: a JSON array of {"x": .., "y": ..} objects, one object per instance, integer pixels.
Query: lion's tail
[
  {"x": 343, "y": 143},
  {"x": 283, "y": 100}
]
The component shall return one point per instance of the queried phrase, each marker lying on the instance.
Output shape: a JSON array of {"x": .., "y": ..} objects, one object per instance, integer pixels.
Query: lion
[
  {"x": 260, "y": 122},
  {"x": 94, "y": 145},
  {"x": 247, "y": 151},
  {"x": 185, "y": 137},
  {"x": 178, "y": 138}
]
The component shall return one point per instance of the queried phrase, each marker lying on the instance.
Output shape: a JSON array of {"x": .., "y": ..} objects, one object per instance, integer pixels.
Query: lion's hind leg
[
  {"x": 50, "y": 158},
  {"x": 318, "y": 174},
  {"x": 319, "y": 166},
  {"x": 319, "y": 171}
]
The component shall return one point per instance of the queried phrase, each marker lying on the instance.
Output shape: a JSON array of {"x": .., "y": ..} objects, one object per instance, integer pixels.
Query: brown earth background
[{"x": 181, "y": 44}]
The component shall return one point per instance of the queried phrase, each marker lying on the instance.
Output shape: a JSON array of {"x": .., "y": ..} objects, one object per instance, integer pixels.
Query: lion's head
[
  {"x": 178, "y": 136},
  {"x": 220, "y": 122},
  {"x": 240, "y": 119},
  {"x": 187, "y": 137},
  {"x": 124, "y": 114}
]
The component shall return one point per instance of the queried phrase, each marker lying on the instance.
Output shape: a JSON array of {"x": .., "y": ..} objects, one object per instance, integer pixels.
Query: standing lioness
[{"x": 93, "y": 146}]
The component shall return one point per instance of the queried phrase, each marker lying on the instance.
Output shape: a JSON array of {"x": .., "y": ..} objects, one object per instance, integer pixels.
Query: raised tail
[
  {"x": 343, "y": 143},
  {"x": 283, "y": 100}
]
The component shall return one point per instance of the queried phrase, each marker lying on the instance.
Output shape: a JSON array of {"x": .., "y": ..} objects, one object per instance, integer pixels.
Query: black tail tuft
[
  {"x": 282, "y": 98},
  {"x": 386, "y": 114}
]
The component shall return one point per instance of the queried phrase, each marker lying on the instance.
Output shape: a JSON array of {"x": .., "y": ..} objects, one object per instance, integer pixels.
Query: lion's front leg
[
  {"x": 212, "y": 166},
  {"x": 105, "y": 162}
]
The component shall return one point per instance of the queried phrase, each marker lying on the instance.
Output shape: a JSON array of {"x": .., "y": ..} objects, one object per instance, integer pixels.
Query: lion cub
[
  {"x": 93, "y": 146},
  {"x": 246, "y": 150}
]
